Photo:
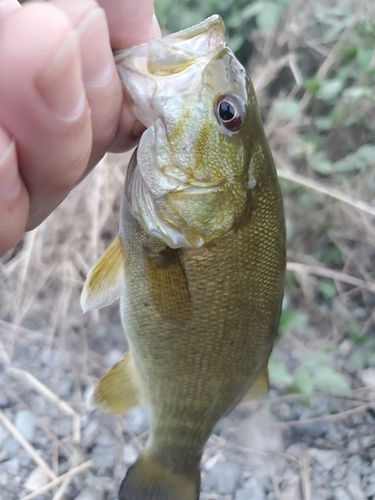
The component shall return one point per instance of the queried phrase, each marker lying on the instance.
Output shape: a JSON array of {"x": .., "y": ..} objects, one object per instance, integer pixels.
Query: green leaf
[
  {"x": 286, "y": 109},
  {"x": 330, "y": 89},
  {"x": 320, "y": 163},
  {"x": 312, "y": 85},
  {"x": 328, "y": 288},
  {"x": 323, "y": 123},
  {"x": 236, "y": 42},
  {"x": 292, "y": 320},
  {"x": 364, "y": 57},
  {"x": 269, "y": 17},
  {"x": 360, "y": 358},
  {"x": 331, "y": 381},
  {"x": 358, "y": 93},
  {"x": 360, "y": 159},
  {"x": 304, "y": 381},
  {"x": 278, "y": 372},
  {"x": 240, "y": 16}
]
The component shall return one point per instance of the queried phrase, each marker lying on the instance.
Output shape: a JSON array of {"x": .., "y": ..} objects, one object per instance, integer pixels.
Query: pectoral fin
[
  {"x": 119, "y": 389},
  {"x": 104, "y": 283},
  {"x": 168, "y": 284},
  {"x": 259, "y": 387}
]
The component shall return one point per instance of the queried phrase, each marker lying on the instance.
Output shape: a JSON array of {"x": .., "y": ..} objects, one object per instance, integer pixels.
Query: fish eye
[{"x": 229, "y": 111}]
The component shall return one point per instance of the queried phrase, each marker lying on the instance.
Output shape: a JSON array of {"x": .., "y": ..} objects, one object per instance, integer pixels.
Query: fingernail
[
  {"x": 10, "y": 181},
  {"x": 96, "y": 53},
  {"x": 61, "y": 85}
]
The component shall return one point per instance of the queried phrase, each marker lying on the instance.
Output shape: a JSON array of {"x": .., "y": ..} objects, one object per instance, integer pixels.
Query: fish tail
[{"x": 147, "y": 480}]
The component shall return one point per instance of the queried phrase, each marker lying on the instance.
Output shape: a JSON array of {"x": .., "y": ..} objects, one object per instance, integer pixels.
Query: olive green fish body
[
  {"x": 200, "y": 259},
  {"x": 196, "y": 370}
]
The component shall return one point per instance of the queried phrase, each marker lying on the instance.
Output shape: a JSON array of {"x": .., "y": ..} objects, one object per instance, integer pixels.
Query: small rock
[
  {"x": 319, "y": 494},
  {"x": 314, "y": 429},
  {"x": 103, "y": 456},
  {"x": 252, "y": 489},
  {"x": 353, "y": 477},
  {"x": 87, "y": 396},
  {"x": 370, "y": 490},
  {"x": 356, "y": 492},
  {"x": 25, "y": 424},
  {"x": 228, "y": 477},
  {"x": 64, "y": 427},
  {"x": 10, "y": 448},
  {"x": 105, "y": 439},
  {"x": 40, "y": 405},
  {"x": 355, "y": 463},
  {"x": 89, "y": 433},
  {"x": 290, "y": 486},
  {"x": 259, "y": 433},
  {"x": 138, "y": 420},
  {"x": 295, "y": 450},
  {"x": 90, "y": 494},
  {"x": 223, "y": 476},
  {"x": 327, "y": 458},
  {"x": 3, "y": 434},
  {"x": 5, "y": 401},
  {"x": 12, "y": 466},
  {"x": 130, "y": 453},
  {"x": 367, "y": 376},
  {"x": 36, "y": 479},
  {"x": 339, "y": 473},
  {"x": 341, "y": 494},
  {"x": 50, "y": 358},
  {"x": 113, "y": 357},
  {"x": 353, "y": 446},
  {"x": 65, "y": 389}
]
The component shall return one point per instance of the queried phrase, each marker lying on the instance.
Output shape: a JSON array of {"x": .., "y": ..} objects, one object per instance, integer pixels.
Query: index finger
[{"x": 130, "y": 22}]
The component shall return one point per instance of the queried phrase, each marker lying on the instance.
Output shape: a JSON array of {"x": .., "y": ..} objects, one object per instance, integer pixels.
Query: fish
[{"x": 199, "y": 261}]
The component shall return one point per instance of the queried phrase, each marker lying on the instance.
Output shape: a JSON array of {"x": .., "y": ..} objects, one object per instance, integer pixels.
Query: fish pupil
[{"x": 226, "y": 111}]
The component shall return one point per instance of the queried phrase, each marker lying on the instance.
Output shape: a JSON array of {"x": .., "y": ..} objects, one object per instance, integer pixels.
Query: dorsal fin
[{"x": 105, "y": 283}]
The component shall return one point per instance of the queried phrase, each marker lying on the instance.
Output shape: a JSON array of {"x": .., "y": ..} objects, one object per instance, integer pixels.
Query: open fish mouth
[{"x": 169, "y": 66}]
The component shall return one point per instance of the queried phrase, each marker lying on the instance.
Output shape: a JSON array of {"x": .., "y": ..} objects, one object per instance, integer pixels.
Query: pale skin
[{"x": 61, "y": 102}]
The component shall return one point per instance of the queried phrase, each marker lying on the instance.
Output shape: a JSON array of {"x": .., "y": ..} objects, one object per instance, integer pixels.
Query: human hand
[{"x": 61, "y": 101}]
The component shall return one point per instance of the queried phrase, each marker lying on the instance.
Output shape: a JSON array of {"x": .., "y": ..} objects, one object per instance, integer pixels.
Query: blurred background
[{"x": 313, "y": 66}]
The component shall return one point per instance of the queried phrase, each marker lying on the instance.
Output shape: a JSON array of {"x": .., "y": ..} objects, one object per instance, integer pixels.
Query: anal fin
[
  {"x": 259, "y": 387},
  {"x": 119, "y": 389}
]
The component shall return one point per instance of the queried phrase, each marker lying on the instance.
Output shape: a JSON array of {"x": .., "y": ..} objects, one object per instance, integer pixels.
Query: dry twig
[
  {"x": 56, "y": 482},
  {"x": 26, "y": 445},
  {"x": 330, "y": 273}
]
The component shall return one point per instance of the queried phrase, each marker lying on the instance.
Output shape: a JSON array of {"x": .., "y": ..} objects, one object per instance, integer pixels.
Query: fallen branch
[
  {"x": 316, "y": 186},
  {"x": 56, "y": 482},
  {"x": 330, "y": 273},
  {"x": 335, "y": 416},
  {"x": 26, "y": 445}
]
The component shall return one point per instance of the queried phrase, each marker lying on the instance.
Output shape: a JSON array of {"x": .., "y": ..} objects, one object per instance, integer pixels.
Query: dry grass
[{"x": 42, "y": 278}]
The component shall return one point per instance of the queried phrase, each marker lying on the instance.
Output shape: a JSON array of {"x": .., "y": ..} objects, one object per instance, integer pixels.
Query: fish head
[{"x": 192, "y": 179}]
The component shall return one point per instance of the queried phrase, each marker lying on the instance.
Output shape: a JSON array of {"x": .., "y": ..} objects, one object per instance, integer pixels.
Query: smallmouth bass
[{"x": 199, "y": 262}]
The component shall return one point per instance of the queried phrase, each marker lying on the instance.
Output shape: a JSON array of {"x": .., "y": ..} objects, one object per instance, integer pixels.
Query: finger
[
  {"x": 14, "y": 199},
  {"x": 43, "y": 105},
  {"x": 130, "y": 22},
  {"x": 7, "y": 7},
  {"x": 102, "y": 85}
]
